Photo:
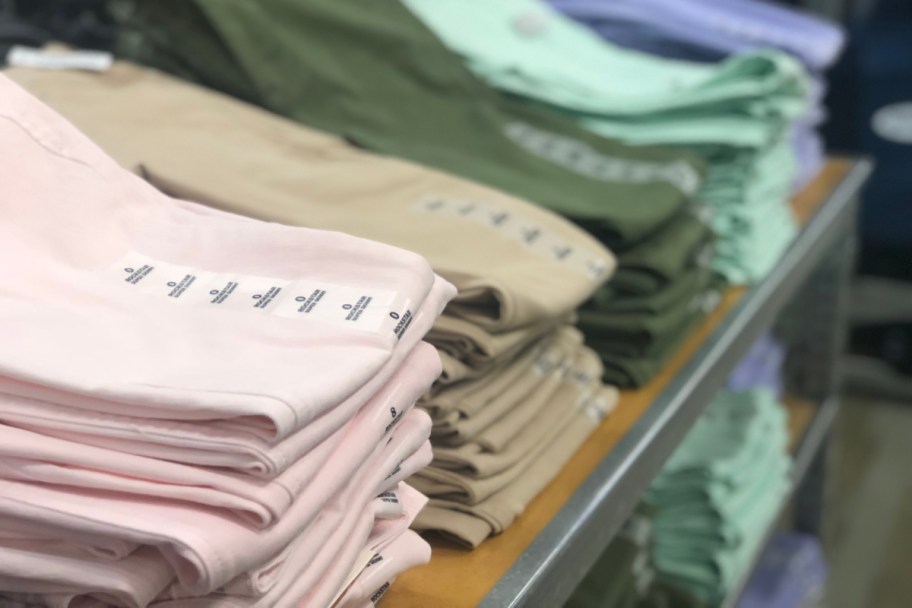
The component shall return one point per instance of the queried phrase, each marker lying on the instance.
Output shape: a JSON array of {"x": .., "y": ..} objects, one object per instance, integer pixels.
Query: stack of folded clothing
[
  {"x": 736, "y": 114},
  {"x": 504, "y": 338},
  {"x": 623, "y": 576},
  {"x": 709, "y": 31},
  {"x": 500, "y": 440},
  {"x": 198, "y": 409},
  {"x": 719, "y": 492},
  {"x": 399, "y": 91}
]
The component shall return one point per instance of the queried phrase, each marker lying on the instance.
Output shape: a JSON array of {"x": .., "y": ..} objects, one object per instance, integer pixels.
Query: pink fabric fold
[
  {"x": 28, "y": 456},
  {"x": 72, "y": 215},
  {"x": 204, "y": 444}
]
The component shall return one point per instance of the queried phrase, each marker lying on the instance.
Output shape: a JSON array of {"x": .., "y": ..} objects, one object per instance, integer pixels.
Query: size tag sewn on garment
[
  {"x": 520, "y": 230},
  {"x": 362, "y": 308}
]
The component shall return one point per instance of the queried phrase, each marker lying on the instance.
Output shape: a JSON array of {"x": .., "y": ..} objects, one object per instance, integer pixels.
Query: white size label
[
  {"x": 28, "y": 57},
  {"x": 522, "y": 231},
  {"x": 361, "y": 308}
]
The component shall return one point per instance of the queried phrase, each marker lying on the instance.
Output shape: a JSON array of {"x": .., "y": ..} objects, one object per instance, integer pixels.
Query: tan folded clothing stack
[
  {"x": 498, "y": 440},
  {"x": 519, "y": 391}
]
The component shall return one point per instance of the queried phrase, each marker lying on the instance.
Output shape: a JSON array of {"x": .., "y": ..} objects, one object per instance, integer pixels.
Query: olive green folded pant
[
  {"x": 635, "y": 336},
  {"x": 649, "y": 266},
  {"x": 374, "y": 74}
]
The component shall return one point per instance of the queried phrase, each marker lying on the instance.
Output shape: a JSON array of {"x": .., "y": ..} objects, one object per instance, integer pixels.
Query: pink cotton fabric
[
  {"x": 100, "y": 547},
  {"x": 28, "y": 456},
  {"x": 70, "y": 213},
  {"x": 405, "y": 552},
  {"x": 200, "y": 543},
  {"x": 209, "y": 444},
  {"x": 154, "y": 448}
]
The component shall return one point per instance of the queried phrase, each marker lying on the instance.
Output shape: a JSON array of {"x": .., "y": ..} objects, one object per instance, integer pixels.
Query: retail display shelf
[
  {"x": 809, "y": 424},
  {"x": 541, "y": 558}
]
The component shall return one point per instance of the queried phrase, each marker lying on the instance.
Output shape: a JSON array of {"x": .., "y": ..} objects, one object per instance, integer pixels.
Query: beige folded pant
[
  {"x": 479, "y": 408},
  {"x": 445, "y": 400},
  {"x": 477, "y": 348},
  {"x": 514, "y": 264},
  {"x": 503, "y": 444},
  {"x": 504, "y": 350},
  {"x": 472, "y": 474},
  {"x": 471, "y": 524}
]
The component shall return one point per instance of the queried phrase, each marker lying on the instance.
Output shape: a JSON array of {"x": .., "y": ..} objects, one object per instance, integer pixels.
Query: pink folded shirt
[
  {"x": 390, "y": 550},
  {"x": 152, "y": 297},
  {"x": 320, "y": 564},
  {"x": 396, "y": 509},
  {"x": 93, "y": 545},
  {"x": 206, "y": 443},
  {"x": 29, "y": 456},
  {"x": 405, "y": 552},
  {"x": 202, "y": 543},
  {"x": 134, "y": 581}
]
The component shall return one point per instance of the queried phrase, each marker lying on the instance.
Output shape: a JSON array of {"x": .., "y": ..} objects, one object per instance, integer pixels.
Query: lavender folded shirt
[
  {"x": 761, "y": 367},
  {"x": 707, "y": 30}
]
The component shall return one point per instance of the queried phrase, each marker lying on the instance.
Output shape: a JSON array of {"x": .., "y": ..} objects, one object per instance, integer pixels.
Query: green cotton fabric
[
  {"x": 626, "y": 371},
  {"x": 754, "y": 225},
  {"x": 719, "y": 492},
  {"x": 735, "y": 113},
  {"x": 647, "y": 332},
  {"x": 652, "y": 265},
  {"x": 611, "y": 302},
  {"x": 373, "y": 73},
  {"x": 531, "y": 50}
]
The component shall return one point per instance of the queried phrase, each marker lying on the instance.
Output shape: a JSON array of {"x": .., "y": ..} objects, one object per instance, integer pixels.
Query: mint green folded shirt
[
  {"x": 529, "y": 49},
  {"x": 718, "y": 493}
]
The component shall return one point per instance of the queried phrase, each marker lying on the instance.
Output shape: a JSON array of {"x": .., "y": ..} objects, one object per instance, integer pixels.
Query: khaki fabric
[
  {"x": 502, "y": 469},
  {"x": 479, "y": 413},
  {"x": 450, "y": 522},
  {"x": 472, "y": 524},
  {"x": 471, "y": 344},
  {"x": 442, "y": 400},
  {"x": 514, "y": 264},
  {"x": 500, "y": 445},
  {"x": 456, "y": 370},
  {"x": 469, "y": 398},
  {"x": 585, "y": 371}
]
